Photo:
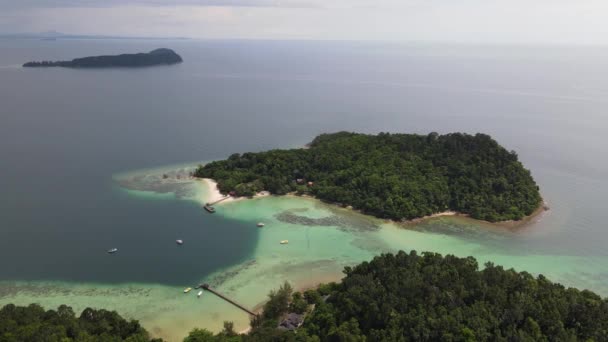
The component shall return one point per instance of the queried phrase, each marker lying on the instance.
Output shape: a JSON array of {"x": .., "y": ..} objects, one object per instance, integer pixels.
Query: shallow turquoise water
[{"x": 323, "y": 239}]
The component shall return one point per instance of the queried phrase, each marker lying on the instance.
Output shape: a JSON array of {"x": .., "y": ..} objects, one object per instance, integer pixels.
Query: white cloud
[
  {"x": 493, "y": 21},
  {"x": 17, "y": 4}
]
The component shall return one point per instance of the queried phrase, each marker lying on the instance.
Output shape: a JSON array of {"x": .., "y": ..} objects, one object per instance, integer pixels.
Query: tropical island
[
  {"x": 394, "y": 297},
  {"x": 156, "y": 57},
  {"x": 390, "y": 176}
]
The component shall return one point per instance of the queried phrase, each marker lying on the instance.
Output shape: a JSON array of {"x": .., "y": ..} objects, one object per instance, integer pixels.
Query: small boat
[
  {"x": 260, "y": 224},
  {"x": 179, "y": 242},
  {"x": 188, "y": 289},
  {"x": 209, "y": 208},
  {"x": 284, "y": 242},
  {"x": 199, "y": 294},
  {"x": 113, "y": 250}
]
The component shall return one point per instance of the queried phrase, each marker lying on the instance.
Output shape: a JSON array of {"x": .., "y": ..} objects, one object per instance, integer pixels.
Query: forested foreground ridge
[
  {"x": 392, "y": 176},
  {"x": 34, "y": 324},
  {"x": 155, "y": 57},
  {"x": 400, "y": 297},
  {"x": 412, "y": 297}
]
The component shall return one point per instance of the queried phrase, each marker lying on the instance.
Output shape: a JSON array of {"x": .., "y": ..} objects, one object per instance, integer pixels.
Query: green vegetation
[
  {"x": 411, "y": 297},
  {"x": 203, "y": 335},
  {"x": 155, "y": 57},
  {"x": 394, "y": 176},
  {"x": 402, "y": 297},
  {"x": 33, "y": 323}
]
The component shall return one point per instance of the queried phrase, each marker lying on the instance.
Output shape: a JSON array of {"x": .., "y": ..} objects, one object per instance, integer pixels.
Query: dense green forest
[
  {"x": 395, "y": 176},
  {"x": 33, "y": 323},
  {"x": 401, "y": 297},
  {"x": 411, "y": 297}
]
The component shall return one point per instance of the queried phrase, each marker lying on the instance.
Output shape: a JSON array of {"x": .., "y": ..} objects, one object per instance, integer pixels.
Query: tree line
[
  {"x": 392, "y": 176},
  {"x": 34, "y": 324}
]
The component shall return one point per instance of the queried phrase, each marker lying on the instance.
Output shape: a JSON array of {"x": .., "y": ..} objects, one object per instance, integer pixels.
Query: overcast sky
[{"x": 489, "y": 21}]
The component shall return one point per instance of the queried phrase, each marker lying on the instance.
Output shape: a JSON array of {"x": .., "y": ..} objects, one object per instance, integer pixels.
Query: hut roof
[{"x": 292, "y": 321}]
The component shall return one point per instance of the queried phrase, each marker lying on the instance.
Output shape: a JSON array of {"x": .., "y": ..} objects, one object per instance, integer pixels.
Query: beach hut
[{"x": 291, "y": 322}]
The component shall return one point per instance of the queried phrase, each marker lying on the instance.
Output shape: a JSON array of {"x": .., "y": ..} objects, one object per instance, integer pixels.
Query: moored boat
[
  {"x": 179, "y": 242},
  {"x": 209, "y": 208},
  {"x": 284, "y": 242},
  {"x": 188, "y": 289},
  {"x": 113, "y": 250},
  {"x": 199, "y": 294},
  {"x": 260, "y": 224}
]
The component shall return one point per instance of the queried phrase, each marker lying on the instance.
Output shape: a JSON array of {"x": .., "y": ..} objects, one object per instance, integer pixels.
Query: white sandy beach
[{"x": 213, "y": 193}]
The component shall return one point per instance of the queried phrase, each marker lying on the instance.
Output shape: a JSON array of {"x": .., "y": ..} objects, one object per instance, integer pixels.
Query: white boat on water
[
  {"x": 113, "y": 250},
  {"x": 260, "y": 224},
  {"x": 179, "y": 242},
  {"x": 284, "y": 242},
  {"x": 188, "y": 289},
  {"x": 199, "y": 294}
]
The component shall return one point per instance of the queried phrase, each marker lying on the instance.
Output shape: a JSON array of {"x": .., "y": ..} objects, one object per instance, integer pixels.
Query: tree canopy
[
  {"x": 33, "y": 323},
  {"x": 393, "y": 176},
  {"x": 428, "y": 297}
]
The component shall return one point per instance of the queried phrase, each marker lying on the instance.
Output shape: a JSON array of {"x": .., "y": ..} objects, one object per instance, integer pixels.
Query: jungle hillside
[{"x": 390, "y": 176}]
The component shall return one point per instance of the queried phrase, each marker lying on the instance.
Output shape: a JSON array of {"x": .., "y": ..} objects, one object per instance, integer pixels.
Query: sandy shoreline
[
  {"x": 215, "y": 195},
  {"x": 511, "y": 225}
]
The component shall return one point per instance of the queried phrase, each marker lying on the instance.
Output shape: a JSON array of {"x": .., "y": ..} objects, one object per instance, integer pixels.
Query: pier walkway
[
  {"x": 218, "y": 201},
  {"x": 242, "y": 307}
]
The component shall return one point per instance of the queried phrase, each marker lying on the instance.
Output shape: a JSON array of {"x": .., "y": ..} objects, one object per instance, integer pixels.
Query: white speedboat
[
  {"x": 179, "y": 242},
  {"x": 187, "y": 289},
  {"x": 113, "y": 250},
  {"x": 199, "y": 294},
  {"x": 260, "y": 224},
  {"x": 284, "y": 242}
]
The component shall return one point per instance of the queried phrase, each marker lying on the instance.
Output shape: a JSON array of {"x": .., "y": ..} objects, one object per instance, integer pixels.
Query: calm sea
[{"x": 64, "y": 134}]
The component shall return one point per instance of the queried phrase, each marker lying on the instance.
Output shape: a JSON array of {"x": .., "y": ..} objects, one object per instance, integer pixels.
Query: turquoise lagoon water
[{"x": 323, "y": 239}]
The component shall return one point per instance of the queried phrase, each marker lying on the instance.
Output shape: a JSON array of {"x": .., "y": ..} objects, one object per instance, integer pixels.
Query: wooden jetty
[
  {"x": 209, "y": 205},
  {"x": 242, "y": 307},
  {"x": 218, "y": 201}
]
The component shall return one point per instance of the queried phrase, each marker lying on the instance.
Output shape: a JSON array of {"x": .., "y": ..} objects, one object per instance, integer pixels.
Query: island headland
[
  {"x": 156, "y": 57},
  {"x": 400, "y": 177}
]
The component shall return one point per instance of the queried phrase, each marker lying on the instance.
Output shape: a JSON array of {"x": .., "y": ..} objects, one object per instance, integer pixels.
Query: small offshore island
[
  {"x": 156, "y": 57},
  {"x": 391, "y": 176}
]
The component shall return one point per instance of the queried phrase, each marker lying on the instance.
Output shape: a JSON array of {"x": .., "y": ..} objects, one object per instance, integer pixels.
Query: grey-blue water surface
[{"x": 65, "y": 132}]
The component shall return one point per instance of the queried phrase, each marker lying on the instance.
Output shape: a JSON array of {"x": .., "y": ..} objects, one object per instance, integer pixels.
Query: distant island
[
  {"x": 391, "y": 176},
  {"x": 155, "y": 57}
]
